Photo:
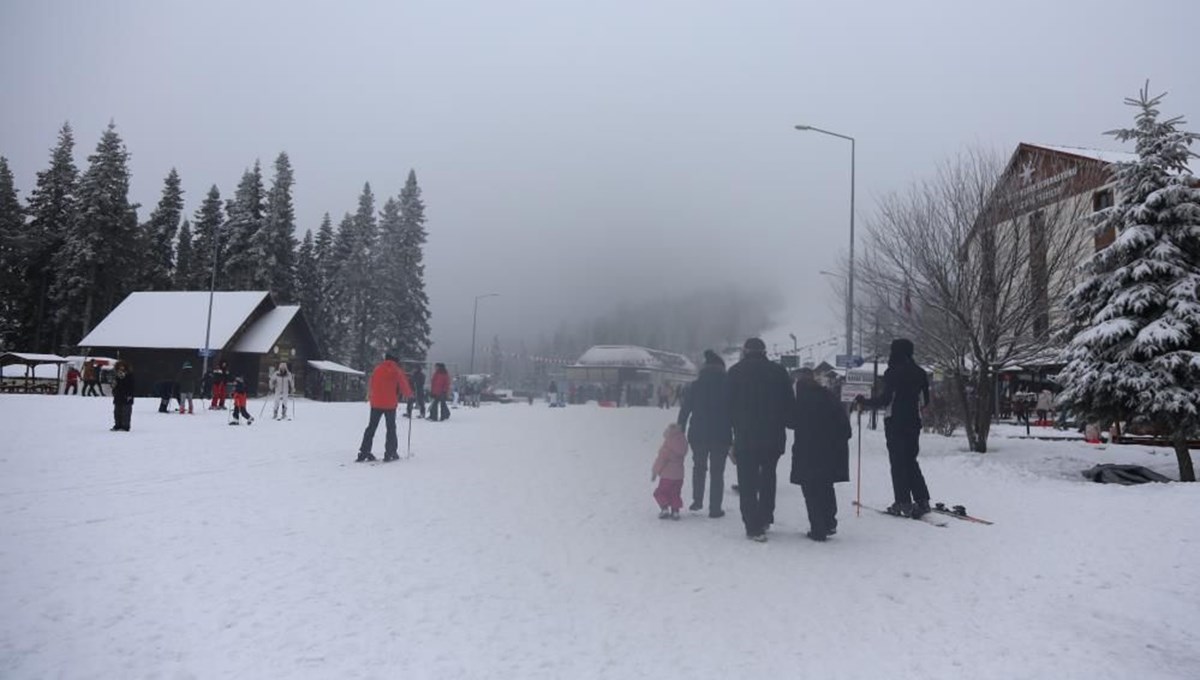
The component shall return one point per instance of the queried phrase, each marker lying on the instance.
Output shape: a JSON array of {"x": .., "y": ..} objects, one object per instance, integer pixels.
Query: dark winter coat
[
  {"x": 187, "y": 381},
  {"x": 122, "y": 388},
  {"x": 417, "y": 381},
  {"x": 904, "y": 383},
  {"x": 821, "y": 449},
  {"x": 706, "y": 403},
  {"x": 760, "y": 403}
]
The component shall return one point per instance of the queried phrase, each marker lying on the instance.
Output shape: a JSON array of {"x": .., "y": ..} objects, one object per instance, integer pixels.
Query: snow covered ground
[{"x": 522, "y": 542}]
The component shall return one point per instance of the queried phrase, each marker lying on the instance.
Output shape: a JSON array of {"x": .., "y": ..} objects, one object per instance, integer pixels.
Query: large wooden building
[{"x": 158, "y": 331}]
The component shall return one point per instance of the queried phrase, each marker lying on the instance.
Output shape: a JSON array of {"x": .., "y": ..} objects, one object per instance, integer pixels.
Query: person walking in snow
[
  {"x": 706, "y": 406},
  {"x": 239, "y": 402},
  {"x": 388, "y": 384},
  {"x": 1045, "y": 402},
  {"x": 417, "y": 380},
  {"x": 91, "y": 379},
  {"x": 72, "y": 381},
  {"x": 668, "y": 470},
  {"x": 187, "y": 386},
  {"x": 282, "y": 384},
  {"x": 439, "y": 391},
  {"x": 122, "y": 396},
  {"x": 820, "y": 451},
  {"x": 760, "y": 403},
  {"x": 904, "y": 385}
]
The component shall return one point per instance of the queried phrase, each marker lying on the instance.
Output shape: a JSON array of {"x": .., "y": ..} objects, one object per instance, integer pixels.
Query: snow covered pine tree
[{"x": 1135, "y": 354}]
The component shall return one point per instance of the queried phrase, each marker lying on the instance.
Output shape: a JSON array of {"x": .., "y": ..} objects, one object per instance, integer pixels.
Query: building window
[{"x": 1102, "y": 199}]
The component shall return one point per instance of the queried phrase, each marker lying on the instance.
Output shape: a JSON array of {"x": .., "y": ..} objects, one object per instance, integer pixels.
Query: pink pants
[{"x": 667, "y": 493}]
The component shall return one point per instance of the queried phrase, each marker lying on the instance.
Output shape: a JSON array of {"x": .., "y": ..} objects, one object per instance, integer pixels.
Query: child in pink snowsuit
[{"x": 668, "y": 470}]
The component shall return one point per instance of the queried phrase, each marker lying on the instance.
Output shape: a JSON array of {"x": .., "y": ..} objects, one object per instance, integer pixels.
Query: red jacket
[
  {"x": 440, "y": 385},
  {"x": 388, "y": 382}
]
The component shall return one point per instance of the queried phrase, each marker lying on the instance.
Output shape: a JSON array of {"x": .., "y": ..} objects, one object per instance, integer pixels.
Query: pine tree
[
  {"x": 246, "y": 215},
  {"x": 308, "y": 284},
  {"x": 185, "y": 260},
  {"x": 208, "y": 243},
  {"x": 53, "y": 206},
  {"x": 391, "y": 282},
  {"x": 158, "y": 236},
  {"x": 415, "y": 340},
  {"x": 320, "y": 315},
  {"x": 358, "y": 281},
  {"x": 12, "y": 282},
  {"x": 338, "y": 298},
  {"x": 1136, "y": 355},
  {"x": 95, "y": 267},
  {"x": 275, "y": 245}
]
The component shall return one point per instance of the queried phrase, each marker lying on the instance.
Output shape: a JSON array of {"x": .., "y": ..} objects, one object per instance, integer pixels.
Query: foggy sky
[{"x": 573, "y": 154}]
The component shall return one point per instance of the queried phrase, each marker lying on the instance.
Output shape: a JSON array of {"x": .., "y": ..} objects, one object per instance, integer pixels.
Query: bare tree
[{"x": 978, "y": 258}]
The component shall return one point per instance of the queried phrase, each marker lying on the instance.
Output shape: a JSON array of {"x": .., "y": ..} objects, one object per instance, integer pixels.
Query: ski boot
[
  {"x": 900, "y": 509},
  {"x": 696, "y": 505},
  {"x": 664, "y": 513},
  {"x": 919, "y": 509},
  {"x": 674, "y": 514},
  {"x": 365, "y": 458}
]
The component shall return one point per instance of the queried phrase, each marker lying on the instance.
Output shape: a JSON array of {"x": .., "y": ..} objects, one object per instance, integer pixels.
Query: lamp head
[{"x": 803, "y": 127}]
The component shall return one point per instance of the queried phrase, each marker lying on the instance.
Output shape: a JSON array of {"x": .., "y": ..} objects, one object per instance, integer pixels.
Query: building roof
[
  {"x": 260, "y": 337},
  {"x": 1106, "y": 156},
  {"x": 632, "y": 356},
  {"x": 30, "y": 358},
  {"x": 174, "y": 320},
  {"x": 333, "y": 367}
]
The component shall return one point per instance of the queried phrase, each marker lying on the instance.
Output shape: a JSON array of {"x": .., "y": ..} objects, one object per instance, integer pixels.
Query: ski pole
[
  {"x": 408, "y": 446},
  {"x": 264, "y": 408},
  {"x": 858, "y": 474},
  {"x": 292, "y": 416}
]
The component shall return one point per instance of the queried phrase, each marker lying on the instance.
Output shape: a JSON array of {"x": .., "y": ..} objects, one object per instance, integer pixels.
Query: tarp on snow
[{"x": 1109, "y": 473}]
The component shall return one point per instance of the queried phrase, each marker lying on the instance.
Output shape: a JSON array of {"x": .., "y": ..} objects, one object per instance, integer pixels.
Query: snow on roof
[
  {"x": 631, "y": 356},
  {"x": 332, "y": 367},
  {"x": 260, "y": 337},
  {"x": 174, "y": 320},
  {"x": 31, "y": 358},
  {"x": 1106, "y": 156}
]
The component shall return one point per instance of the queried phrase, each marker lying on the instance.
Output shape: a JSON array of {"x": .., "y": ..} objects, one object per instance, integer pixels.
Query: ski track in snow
[{"x": 522, "y": 542}]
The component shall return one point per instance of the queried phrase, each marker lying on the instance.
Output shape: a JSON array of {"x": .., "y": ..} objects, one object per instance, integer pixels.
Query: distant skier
[
  {"x": 439, "y": 391},
  {"x": 760, "y": 404},
  {"x": 417, "y": 380},
  {"x": 282, "y": 384},
  {"x": 187, "y": 386},
  {"x": 220, "y": 375},
  {"x": 668, "y": 470},
  {"x": 820, "y": 451},
  {"x": 904, "y": 384},
  {"x": 239, "y": 402},
  {"x": 388, "y": 384},
  {"x": 706, "y": 405},
  {"x": 91, "y": 379},
  {"x": 122, "y": 396},
  {"x": 1045, "y": 402}
]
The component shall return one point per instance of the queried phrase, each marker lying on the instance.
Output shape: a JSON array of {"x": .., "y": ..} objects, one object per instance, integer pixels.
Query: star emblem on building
[{"x": 1027, "y": 171}]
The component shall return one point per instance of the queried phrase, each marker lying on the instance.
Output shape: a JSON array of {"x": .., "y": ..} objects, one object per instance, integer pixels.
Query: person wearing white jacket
[{"x": 282, "y": 383}]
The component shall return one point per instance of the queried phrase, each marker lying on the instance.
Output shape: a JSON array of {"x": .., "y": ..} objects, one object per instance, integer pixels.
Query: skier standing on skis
[
  {"x": 904, "y": 384},
  {"x": 220, "y": 374},
  {"x": 820, "y": 451},
  {"x": 282, "y": 383},
  {"x": 760, "y": 404},
  {"x": 706, "y": 404},
  {"x": 388, "y": 384}
]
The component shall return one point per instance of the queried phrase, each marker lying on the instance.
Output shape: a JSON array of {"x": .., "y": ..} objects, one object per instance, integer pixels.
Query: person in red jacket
[
  {"x": 388, "y": 383},
  {"x": 439, "y": 392}
]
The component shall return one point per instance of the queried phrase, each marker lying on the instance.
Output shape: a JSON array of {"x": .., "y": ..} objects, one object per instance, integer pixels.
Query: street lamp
[
  {"x": 474, "y": 319},
  {"x": 212, "y": 286},
  {"x": 850, "y": 289}
]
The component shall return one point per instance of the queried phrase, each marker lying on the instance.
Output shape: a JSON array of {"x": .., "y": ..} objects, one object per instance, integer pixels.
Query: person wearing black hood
[
  {"x": 122, "y": 396},
  {"x": 416, "y": 379},
  {"x": 706, "y": 404},
  {"x": 820, "y": 451},
  {"x": 760, "y": 406},
  {"x": 904, "y": 385}
]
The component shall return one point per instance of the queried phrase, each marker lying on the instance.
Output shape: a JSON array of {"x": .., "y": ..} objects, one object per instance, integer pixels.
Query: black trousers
[
  {"x": 903, "y": 445},
  {"x": 756, "y": 490},
  {"x": 438, "y": 410},
  {"x": 708, "y": 457},
  {"x": 72, "y": 388},
  {"x": 821, "y": 502},
  {"x": 419, "y": 400},
  {"x": 122, "y": 413},
  {"x": 389, "y": 443}
]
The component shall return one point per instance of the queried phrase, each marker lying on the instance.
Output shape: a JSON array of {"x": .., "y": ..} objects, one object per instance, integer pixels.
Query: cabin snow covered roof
[
  {"x": 632, "y": 356},
  {"x": 175, "y": 319},
  {"x": 1106, "y": 156},
  {"x": 259, "y": 338}
]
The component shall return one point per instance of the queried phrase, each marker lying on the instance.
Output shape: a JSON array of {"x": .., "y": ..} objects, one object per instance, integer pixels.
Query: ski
[
  {"x": 958, "y": 512},
  {"x": 925, "y": 519}
]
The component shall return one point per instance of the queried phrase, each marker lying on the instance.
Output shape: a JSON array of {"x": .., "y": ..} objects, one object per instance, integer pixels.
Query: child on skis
[
  {"x": 668, "y": 470},
  {"x": 239, "y": 402}
]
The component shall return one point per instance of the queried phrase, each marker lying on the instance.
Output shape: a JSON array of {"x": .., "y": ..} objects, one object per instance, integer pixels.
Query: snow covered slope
[{"x": 522, "y": 542}]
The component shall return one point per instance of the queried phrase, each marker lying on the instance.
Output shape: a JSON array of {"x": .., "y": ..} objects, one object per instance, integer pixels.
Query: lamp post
[
  {"x": 849, "y": 310},
  {"x": 474, "y": 320},
  {"x": 212, "y": 287},
  {"x": 850, "y": 288}
]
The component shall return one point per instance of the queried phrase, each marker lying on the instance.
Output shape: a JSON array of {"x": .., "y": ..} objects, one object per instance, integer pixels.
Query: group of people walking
[
  {"x": 90, "y": 375},
  {"x": 743, "y": 414}
]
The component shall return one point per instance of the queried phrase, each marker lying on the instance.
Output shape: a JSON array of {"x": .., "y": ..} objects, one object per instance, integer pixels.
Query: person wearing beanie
[
  {"x": 706, "y": 406},
  {"x": 760, "y": 406},
  {"x": 904, "y": 385}
]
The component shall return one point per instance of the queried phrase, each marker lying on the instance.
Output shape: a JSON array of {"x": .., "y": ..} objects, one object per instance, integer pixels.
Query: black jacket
[
  {"x": 187, "y": 380},
  {"x": 821, "y": 449},
  {"x": 903, "y": 384},
  {"x": 122, "y": 388},
  {"x": 417, "y": 380},
  {"x": 760, "y": 403},
  {"x": 706, "y": 402}
]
